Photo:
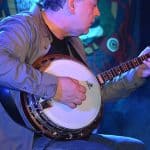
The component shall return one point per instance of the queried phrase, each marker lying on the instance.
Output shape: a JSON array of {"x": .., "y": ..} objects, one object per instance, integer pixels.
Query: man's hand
[
  {"x": 70, "y": 92},
  {"x": 144, "y": 69}
]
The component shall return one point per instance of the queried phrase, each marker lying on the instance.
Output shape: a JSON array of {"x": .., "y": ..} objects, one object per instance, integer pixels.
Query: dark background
[{"x": 131, "y": 116}]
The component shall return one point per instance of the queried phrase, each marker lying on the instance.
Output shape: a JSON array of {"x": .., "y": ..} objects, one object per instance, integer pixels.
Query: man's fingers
[
  {"x": 72, "y": 105},
  {"x": 80, "y": 87}
]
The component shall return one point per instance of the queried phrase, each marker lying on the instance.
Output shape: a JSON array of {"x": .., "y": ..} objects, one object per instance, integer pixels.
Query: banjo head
[{"x": 57, "y": 120}]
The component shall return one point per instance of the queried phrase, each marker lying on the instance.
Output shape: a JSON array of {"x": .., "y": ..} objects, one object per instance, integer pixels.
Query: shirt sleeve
[
  {"x": 15, "y": 71},
  {"x": 121, "y": 86}
]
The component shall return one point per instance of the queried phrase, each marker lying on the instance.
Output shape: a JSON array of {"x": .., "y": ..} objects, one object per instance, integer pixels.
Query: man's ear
[{"x": 71, "y": 6}]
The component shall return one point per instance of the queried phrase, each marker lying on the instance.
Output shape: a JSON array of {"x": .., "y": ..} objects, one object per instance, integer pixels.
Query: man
[{"x": 53, "y": 27}]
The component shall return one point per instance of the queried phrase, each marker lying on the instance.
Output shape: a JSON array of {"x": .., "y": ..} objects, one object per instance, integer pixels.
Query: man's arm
[
  {"x": 123, "y": 85},
  {"x": 16, "y": 38}
]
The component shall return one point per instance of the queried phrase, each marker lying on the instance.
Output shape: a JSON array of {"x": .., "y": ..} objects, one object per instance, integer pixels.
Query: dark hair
[{"x": 54, "y": 5}]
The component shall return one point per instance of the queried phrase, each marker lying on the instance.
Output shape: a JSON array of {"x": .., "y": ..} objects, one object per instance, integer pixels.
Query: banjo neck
[{"x": 117, "y": 70}]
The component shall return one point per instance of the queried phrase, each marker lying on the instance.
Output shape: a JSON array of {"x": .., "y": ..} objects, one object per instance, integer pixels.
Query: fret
[
  {"x": 144, "y": 57},
  {"x": 108, "y": 75},
  {"x": 130, "y": 64},
  {"x": 104, "y": 76},
  {"x": 124, "y": 67},
  {"x": 140, "y": 61},
  {"x": 118, "y": 70},
  {"x": 113, "y": 72},
  {"x": 135, "y": 62}
]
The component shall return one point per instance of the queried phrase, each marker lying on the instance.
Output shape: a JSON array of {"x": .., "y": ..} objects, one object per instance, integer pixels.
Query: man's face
[{"x": 85, "y": 13}]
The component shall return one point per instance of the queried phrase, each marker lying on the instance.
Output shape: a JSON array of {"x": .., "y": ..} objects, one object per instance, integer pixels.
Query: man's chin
[
  {"x": 86, "y": 31},
  {"x": 81, "y": 32}
]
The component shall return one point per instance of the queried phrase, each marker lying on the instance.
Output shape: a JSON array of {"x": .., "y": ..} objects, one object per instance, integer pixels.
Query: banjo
[{"x": 58, "y": 121}]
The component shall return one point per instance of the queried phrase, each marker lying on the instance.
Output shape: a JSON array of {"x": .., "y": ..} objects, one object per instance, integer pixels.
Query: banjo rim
[{"x": 47, "y": 127}]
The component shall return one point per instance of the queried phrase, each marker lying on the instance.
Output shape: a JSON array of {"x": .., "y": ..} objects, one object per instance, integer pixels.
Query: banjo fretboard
[{"x": 113, "y": 72}]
